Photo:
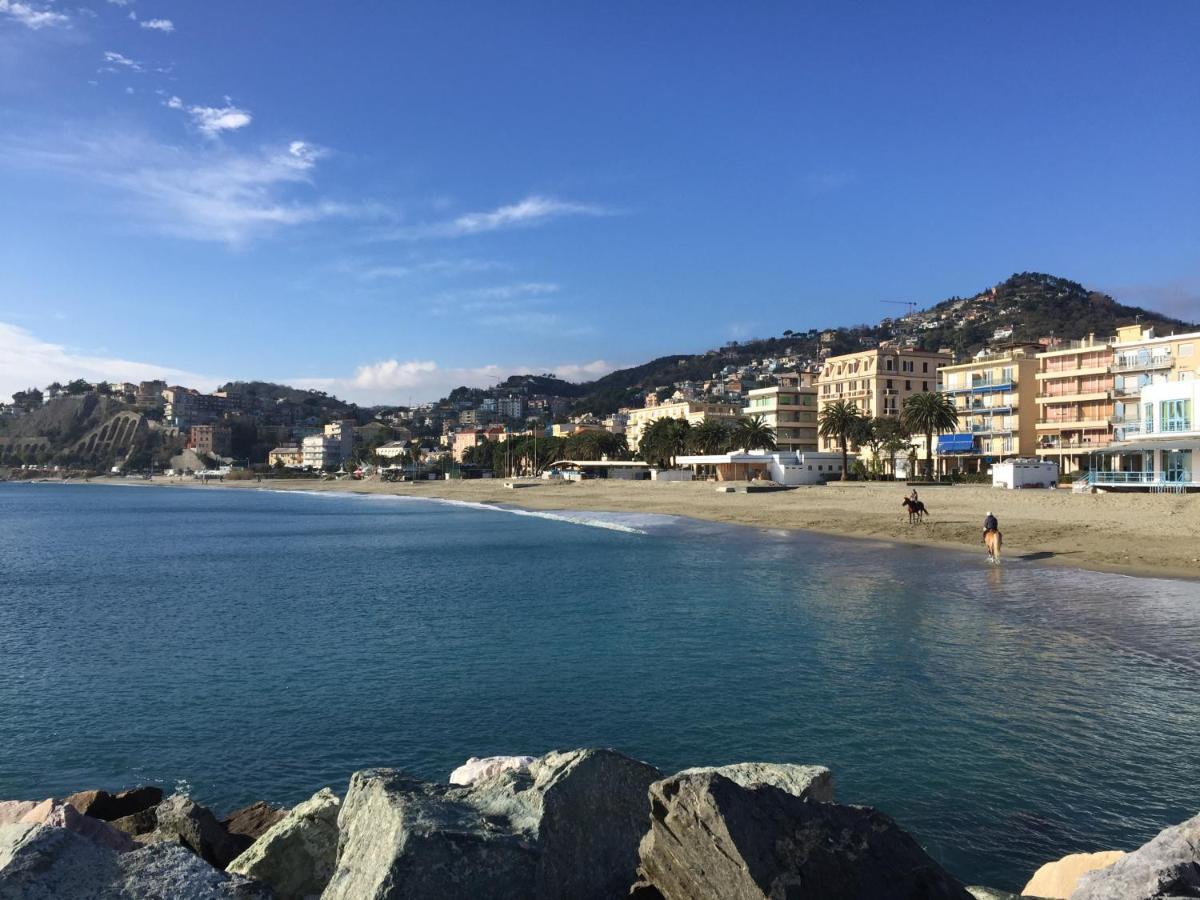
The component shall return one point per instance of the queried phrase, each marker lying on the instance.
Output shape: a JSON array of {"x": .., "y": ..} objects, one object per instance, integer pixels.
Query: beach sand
[{"x": 1144, "y": 534}]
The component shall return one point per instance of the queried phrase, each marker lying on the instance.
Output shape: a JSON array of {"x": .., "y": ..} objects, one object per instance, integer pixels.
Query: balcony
[
  {"x": 1160, "y": 361},
  {"x": 1080, "y": 397},
  {"x": 1128, "y": 390},
  {"x": 1051, "y": 447}
]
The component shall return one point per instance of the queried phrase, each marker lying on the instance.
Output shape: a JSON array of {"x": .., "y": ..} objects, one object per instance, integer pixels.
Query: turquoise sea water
[{"x": 255, "y": 645}]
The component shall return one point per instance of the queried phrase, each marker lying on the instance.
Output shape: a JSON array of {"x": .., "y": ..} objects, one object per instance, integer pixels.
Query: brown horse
[
  {"x": 992, "y": 539},
  {"x": 916, "y": 509}
]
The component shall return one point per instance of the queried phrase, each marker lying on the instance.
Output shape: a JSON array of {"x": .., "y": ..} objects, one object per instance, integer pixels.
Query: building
[
  {"x": 1141, "y": 360},
  {"x": 878, "y": 381},
  {"x": 1075, "y": 401},
  {"x": 289, "y": 455},
  {"x": 467, "y": 438},
  {"x": 693, "y": 411},
  {"x": 391, "y": 449},
  {"x": 342, "y": 432},
  {"x": 318, "y": 451},
  {"x": 213, "y": 440},
  {"x": 789, "y": 468},
  {"x": 184, "y": 407},
  {"x": 511, "y": 407},
  {"x": 790, "y": 408},
  {"x": 996, "y": 398}
]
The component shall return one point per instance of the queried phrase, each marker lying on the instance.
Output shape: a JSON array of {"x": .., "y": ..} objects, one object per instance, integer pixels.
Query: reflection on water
[{"x": 1006, "y": 715}]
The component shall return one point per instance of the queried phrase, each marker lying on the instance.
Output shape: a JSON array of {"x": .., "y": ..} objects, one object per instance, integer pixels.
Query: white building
[
  {"x": 391, "y": 449},
  {"x": 319, "y": 451},
  {"x": 1161, "y": 450},
  {"x": 807, "y": 467}
]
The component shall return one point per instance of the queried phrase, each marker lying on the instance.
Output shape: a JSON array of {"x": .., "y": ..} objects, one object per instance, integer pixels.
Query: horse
[
  {"x": 916, "y": 510},
  {"x": 992, "y": 539}
]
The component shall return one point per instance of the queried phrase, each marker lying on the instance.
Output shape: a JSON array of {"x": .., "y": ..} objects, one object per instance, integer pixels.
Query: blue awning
[{"x": 955, "y": 443}]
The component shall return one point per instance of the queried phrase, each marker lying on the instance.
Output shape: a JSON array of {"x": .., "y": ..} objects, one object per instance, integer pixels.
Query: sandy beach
[{"x": 1142, "y": 534}]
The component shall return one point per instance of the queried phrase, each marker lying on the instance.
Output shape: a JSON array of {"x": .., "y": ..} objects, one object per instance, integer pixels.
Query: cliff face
[{"x": 81, "y": 430}]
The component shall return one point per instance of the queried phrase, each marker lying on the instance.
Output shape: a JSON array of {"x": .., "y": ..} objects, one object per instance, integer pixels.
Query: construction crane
[{"x": 909, "y": 306}]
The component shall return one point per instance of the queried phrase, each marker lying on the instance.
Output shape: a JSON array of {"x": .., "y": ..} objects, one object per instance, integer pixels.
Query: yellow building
[
  {"x": 1075, "y": 400},
  {"x": 694, "y": 411},
  {"x": 790, "y": 408},
  {"x": 1139, "y": 360},
  {"x": 996, "y": 398},
  {"x": 878, "y": 381}
]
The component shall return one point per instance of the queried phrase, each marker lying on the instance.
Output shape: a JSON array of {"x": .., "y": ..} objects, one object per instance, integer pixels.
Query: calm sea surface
[{"x": 250, "y": 645}]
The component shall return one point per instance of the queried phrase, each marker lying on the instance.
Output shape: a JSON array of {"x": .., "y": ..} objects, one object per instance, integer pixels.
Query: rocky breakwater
[{"x": 579, "y": 825}]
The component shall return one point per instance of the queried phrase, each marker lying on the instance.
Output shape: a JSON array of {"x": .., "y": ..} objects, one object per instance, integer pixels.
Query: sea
[{"x": 245, "y": 645}]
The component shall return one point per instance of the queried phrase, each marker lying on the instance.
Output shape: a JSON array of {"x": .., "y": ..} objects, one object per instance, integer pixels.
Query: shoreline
[{"x": 1150, "y": 535}]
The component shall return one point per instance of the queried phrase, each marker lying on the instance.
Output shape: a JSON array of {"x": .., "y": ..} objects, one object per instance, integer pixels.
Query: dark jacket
[{"x": 990, "y": 524}]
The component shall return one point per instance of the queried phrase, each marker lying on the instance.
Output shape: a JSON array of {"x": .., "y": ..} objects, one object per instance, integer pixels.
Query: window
[
  {"x": 889, "y": 382},
  {"x": 924, "y": 385},
  {"x": 1147, "y": 417},
  {"x": 1175, "y": 415},
  {"x": 1186, "y": 349},
  {"x": 924, "y": 367},
  {"x": 908, "y": 385},
  {"x": 889, "y": 365}
]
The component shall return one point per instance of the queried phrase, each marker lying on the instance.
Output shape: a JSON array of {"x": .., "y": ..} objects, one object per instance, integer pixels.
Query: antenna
[{"x": 909, "y": 306}]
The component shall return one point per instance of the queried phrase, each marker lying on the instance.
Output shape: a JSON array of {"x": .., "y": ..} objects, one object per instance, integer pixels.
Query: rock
[
  {"x": 139, "y": 823},
  {"x": 106, "y": 806},
  {"x": 59, "y": 814},
  {"x": 567, "y": 827},
  {"x": 297, "y": 854},
  {"x": 40, "y": 862},
  {"x": 1058, "y": 879},
  {"x": 248, "y": 824},
  {"x": 806, "y": 782},
  {"x": 478, "y": 768},
  {"x": 12, "y": 811},
  {"x": 987, "y": 893},
  {"x": 1168, "y": 866},
  {"x": 171, "y": 872},
  {"x": 711, "y": 837},
  {"x": 196, "y": 828}
]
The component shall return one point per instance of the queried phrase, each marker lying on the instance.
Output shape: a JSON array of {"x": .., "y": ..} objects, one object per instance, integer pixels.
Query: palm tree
[
  {"x": 838, "y": 420},
  {"x": 928, "y": 413},
  {"x": 753, "y": 433},
  {"x": 710, "y": 436},
  {"x": 663, "y": 440}
]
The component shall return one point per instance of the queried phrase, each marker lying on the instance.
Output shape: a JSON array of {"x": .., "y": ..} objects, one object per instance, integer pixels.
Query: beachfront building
[
  {"x": 1075, "y": 401},
  {"x": 288, "y": 455},
  {"x": 995, "y": 395},
  {"x": 211, "y": 440},
  {"x": 788, "y": 468},
  {"x": 790, "y": 407},
  {"x": 319, "y": 451},
  {"x": 693, "y": 411},
  {"x": 1140, "y": 360},
  {"x": 467, "y": 438},
  {"x": 878, "y": 381}
]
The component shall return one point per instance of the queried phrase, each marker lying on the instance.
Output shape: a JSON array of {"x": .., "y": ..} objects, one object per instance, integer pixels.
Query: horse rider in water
[{"x": 990, "y": 523}]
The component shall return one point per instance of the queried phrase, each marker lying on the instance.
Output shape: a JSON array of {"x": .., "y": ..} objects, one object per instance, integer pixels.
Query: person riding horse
[{"x": 990, "y": 523}]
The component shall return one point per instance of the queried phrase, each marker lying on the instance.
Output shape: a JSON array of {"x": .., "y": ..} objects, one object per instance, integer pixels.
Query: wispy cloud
[
  {"x": 32, "y": 16},
  {"x": 28, "y": 361},
  {"x": 164, "y": 25},
  {"x": 116, "y": 59},
  {"x": 395, "y": 381},
  {"x": 212, "y": 120},
  {"x": 397, "y": 271},
  {"x": 211, "y": 193},
  {"x": 531, "y": 211}
]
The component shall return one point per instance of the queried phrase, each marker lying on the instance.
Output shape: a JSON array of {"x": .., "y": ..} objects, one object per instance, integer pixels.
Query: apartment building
[
  {"x": 878, "y": 381},
  {"x": 211, "y": 439},
  {"x": 467, "y": 438},
  {"x": 185, "y": 407},
  {"x": 995, "y": 395},
  {"x": 1140, "y": 360},
  {"x": 1075, "y": 401},
  {"x": 790, "y": 408},
  {"x": 287, "y": 455},
  {"x": 693, "y": 411}
]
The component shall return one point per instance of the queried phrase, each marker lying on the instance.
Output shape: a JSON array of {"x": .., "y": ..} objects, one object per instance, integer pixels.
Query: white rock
[{"x": 478, "y": 768}]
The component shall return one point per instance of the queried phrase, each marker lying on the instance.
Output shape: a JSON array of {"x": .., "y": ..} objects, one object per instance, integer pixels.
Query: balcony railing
[
  {"x": 981, "y": 387},
  {"x": 1132, "y": 478},
  {"x": 1139, "y": 365}
]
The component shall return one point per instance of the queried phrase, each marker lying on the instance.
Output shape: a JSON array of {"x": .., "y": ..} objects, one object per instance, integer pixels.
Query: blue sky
[{"x": 385, "y": 200}]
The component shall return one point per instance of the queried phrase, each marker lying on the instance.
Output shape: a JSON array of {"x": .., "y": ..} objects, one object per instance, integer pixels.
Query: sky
[{"x": 385, "y": 200}]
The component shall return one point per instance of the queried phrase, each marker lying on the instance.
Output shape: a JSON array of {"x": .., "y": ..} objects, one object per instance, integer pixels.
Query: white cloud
[
  {"x": 117, "y": 59},
  {"x": 396, "y": 381},
  {"x": 212, "y": 193},
  {"x": 514, "y": 291},
  {"x": 212, "y": 120},
  {"x": 120, "y": 2},
  {"x": 165, "y": 25},
  {"x": 530, "y": 211},
  {"x": 28, "y": 361},
  {"x": 448, "y": 267},
  {"x": 32, "y": 16}
]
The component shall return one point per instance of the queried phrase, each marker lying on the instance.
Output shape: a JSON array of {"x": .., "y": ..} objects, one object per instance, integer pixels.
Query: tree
[
  {"x": 710, "y": 436},
  {"x": 894, "y": 437},
  {"x": 663, "y": 440},
  {"x": 28, "y": 400},
  {"x": 753, "y": 433},
  {"x": 838, "y": 420},
  {"x": 78, "y": 386},
  {"x": 929, "y": 413}
]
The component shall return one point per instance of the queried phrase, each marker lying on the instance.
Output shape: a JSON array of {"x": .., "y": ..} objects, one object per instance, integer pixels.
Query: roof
[
  {"x": 1165, "y": 444},
  {"x": 599, "y": 463}
]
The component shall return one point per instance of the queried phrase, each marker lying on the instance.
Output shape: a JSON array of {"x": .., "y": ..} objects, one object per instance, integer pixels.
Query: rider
[
  {"x": 990, "y": 524},
  {"x": 913, "y": 495}
]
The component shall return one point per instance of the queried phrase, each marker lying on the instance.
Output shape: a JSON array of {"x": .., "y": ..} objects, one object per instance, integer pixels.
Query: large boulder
[
  {"x": 106, "y": 806},
  {"x": 13, "y": 811},
  {"x": 248, "y": 824},
  {"x": 296, "y": 855},
  {"x": 144, "y": 822},
  {"x": 806, "y": 782},
  {"x": 194, "y": 826},
  {"x": 478, "y": 768},
  {"x": 1168, "y": 866},
  {"x": 711, "y": 837},
  {"x": 40, "y": 862},
  {"x": 1058, "y": 879},
  {"x": 568, "y": 826}
]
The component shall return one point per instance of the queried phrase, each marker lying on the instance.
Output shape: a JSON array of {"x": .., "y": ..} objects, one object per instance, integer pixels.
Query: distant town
[{"x": 1114, "y": 411}]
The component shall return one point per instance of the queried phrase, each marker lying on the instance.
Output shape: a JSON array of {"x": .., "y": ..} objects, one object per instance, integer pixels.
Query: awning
[
  {"x": 955, "y": 443},
  {"x": 1138, "y": 446}
]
